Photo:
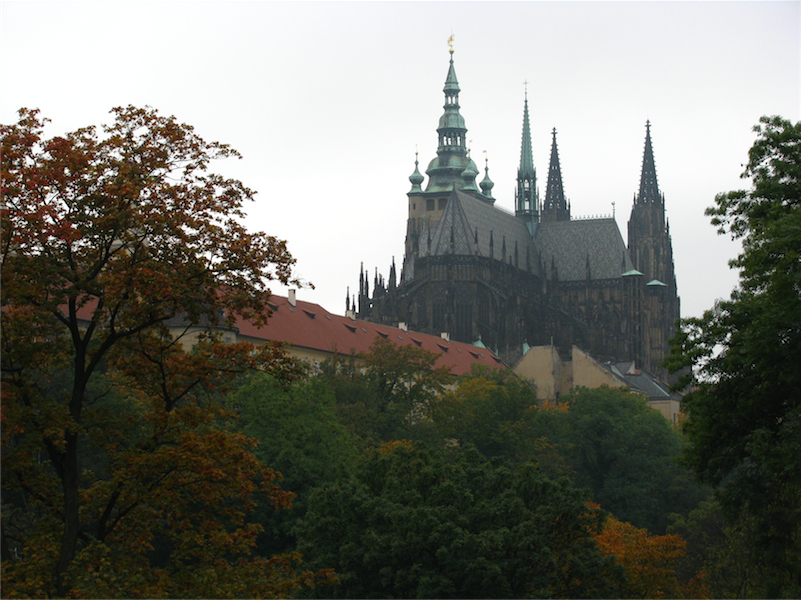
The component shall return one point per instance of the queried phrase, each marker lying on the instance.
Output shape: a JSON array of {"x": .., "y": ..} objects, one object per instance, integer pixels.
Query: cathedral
[{"x": 480, "y": 274}]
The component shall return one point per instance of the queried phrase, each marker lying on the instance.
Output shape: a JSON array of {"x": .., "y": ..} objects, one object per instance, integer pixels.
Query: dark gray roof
[
  {"x": 467, "y": 225},
  {"x": 568, "y": 244},
  {"x": 642, "y": 381}
]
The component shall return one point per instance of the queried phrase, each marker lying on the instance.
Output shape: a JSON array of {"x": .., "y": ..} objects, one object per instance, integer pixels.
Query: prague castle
[{"x": 535, "y": 277}]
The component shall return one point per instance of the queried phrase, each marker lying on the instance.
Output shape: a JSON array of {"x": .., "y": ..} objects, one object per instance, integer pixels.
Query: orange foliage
[
  {"x": 121, "y": 476},
  {"x": 390, "y": 447},
  {"x": 648, "y": 561}
]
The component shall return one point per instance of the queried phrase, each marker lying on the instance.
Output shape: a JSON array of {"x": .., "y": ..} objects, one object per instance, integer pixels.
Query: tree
[
  {"x": 624, "y": 452},
  {"x": 492, "y": 410},
  {"x": 298, "y": 434},
  {"x": 386, "y": 394},
  {"x": 649, "y": 561},
  {"x": 443, "y": 522},
  {"x": 744, "y": 411},
  {"x": 726, "y": 554},
  {"x": 106, "y": 239}
]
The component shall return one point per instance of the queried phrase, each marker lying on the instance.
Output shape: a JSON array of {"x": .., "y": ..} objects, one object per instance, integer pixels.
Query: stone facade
[{"x": 533, "y": 278}]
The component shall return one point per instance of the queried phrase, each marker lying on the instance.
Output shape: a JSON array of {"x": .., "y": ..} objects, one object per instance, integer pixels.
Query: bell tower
[
  {"x": 651, "y": 250},
  {"x": 451, "y": 168}
]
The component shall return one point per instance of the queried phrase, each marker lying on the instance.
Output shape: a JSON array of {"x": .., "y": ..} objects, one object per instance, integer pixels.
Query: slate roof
[
  {"x": 642, "y": 381},
  {"x": 309, "y": 325},
  {"x": 568, "y": 244},
  {"x": 468, "y": 224}
]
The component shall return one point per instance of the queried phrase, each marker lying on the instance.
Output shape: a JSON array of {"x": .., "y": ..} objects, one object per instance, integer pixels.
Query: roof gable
[{"x": 470, "y": 226}]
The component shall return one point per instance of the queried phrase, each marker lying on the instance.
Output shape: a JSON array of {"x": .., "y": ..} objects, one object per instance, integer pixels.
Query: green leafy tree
[
  {"x": 446, "y": 523},
  {"x": 744, "y": 412},
  {"x": 111, "y": 447},
  {"x": 299, "y": 435},
  {"x": 493, "y": 410},
  {"x": 386, "y": 394},
  {"x": 727, "y": 554},
  {"x": 625, "y": 452}
]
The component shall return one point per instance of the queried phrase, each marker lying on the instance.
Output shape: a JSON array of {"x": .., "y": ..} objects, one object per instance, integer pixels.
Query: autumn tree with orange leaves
[
  {"x": 120, "y": 476},
  {"x": 649, "y": 561}
]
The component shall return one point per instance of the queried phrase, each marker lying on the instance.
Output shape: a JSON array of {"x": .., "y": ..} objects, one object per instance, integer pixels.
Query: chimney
[
  {"x": 350, "y": 314},
  {"x": 291, "y": 298},
  {"x": 403, "y": 327},
  {"x": 445, "y": 336}
]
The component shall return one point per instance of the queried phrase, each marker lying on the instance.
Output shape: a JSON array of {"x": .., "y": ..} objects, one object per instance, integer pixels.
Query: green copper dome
[
  {"x": 452, "y": 162},
  {"x": 416, "y": 178},
  {"x": 487, "y": 184}
]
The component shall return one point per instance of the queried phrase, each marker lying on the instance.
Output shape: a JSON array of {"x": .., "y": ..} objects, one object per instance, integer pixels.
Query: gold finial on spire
[
  {"x": 525, "y": 87},
  {"x": 450, "y": 44}
]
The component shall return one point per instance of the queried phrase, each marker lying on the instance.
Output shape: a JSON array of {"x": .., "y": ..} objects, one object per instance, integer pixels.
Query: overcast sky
[{"x": 328, "y": 102}]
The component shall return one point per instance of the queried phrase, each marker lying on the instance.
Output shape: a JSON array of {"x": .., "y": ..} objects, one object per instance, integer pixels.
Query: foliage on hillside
[
  {"x": 742, "y": 358},
  {"x": 119, "y": 476},
  {"x": 444, "y": 522}
]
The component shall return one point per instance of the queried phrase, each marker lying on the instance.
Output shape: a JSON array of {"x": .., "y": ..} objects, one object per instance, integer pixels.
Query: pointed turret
[
  {"x": 649, "y": 189},
  {"x": 555, "y": 207},
  {"x": 487, "y": 184},
  {"x": 416, "y": 178},
  {"x": 526, "y": 201},
  {"x": 392, "y": 276}
]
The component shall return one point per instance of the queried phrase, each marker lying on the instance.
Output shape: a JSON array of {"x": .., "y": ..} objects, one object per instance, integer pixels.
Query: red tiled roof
[{"x": 308, "y": 325}]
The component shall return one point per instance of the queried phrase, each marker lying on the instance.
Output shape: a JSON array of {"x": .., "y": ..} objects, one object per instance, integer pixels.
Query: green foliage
[
  {"x": 624, "y": 452},
  {"x": 299, "y": 436},
  {"x": 744, "y": 424},
  {"x": 112, "y": 452},
  {"x": 492, "y": 410},
  {"x": 385, "y": 394},
  {"x": 445, "y": 523},
  {"x": 725, "y": 553}
]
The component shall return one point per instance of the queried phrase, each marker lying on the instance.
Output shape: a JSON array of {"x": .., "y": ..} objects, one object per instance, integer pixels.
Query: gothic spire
[
  {"x": 526, "y": 204},
  {"x": 649, "y": 189},
  {"x": 526, "y": 168},
  {"x": 555, "y": 204}
]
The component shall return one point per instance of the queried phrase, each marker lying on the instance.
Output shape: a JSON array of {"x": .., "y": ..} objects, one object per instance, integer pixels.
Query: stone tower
[
  {"x": 651, "y": 251},
  {"x": 451, "y": 169}
]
